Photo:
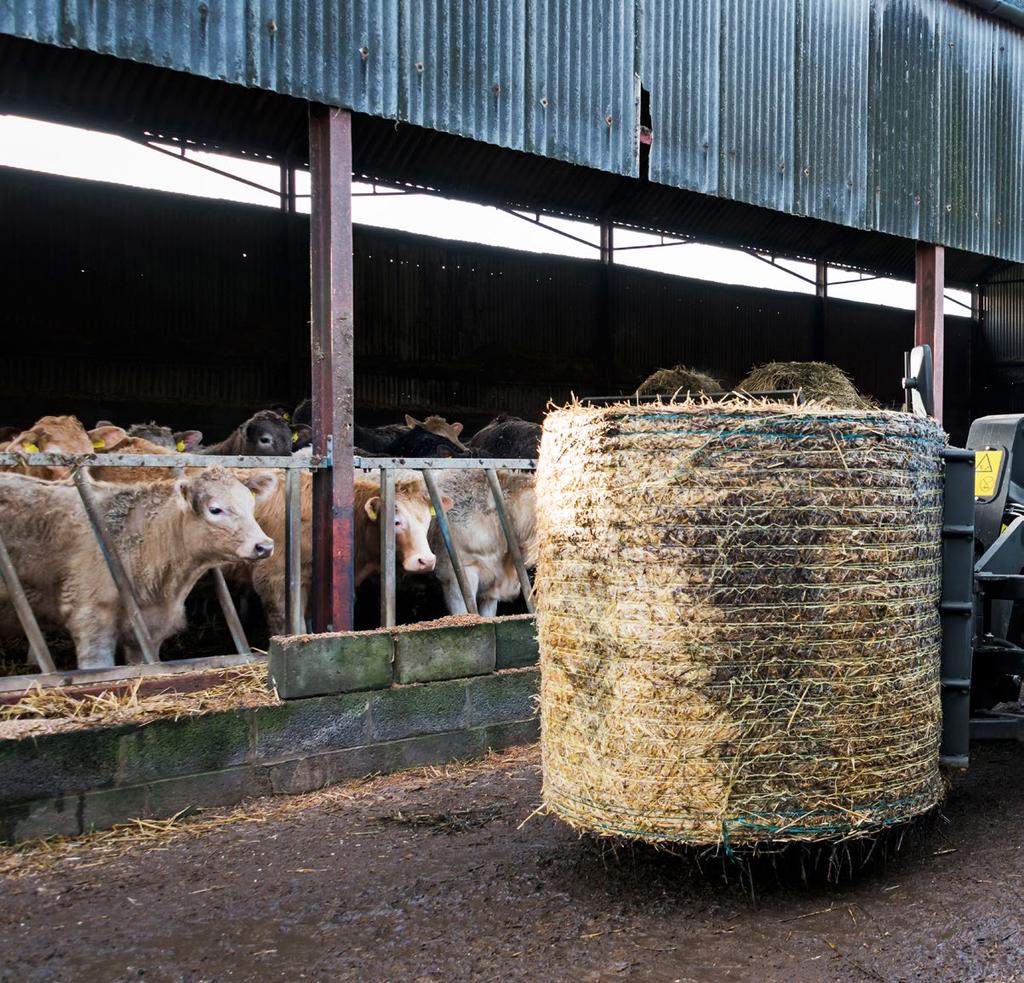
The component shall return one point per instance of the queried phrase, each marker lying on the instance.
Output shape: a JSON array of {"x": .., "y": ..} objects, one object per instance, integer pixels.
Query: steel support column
[
  {"x": 929, "y": 327},
  {"x": 331, "y": 291}
]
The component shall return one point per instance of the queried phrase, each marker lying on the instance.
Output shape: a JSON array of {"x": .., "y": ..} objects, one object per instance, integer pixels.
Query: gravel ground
[{"x": 434, "y": 876}]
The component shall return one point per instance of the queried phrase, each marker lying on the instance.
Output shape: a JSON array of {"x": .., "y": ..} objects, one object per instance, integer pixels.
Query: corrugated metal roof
[
  {"x": 904, "y": 117},
  {"x": 901, "y": 116},
  {"x": 551, "y": 77}
]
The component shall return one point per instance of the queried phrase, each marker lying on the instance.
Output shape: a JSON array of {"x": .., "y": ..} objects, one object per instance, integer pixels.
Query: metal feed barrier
[
  {"x": 294, "y": 607},
  {"x": 77, "y": 463},
  {"x": 387, "y": 466}
]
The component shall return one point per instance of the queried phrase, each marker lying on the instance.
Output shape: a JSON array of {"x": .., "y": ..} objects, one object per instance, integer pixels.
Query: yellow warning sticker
[{"x": 987, "y": 465}]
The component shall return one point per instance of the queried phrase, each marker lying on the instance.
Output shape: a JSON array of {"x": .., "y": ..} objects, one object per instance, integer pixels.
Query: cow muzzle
[
  {"x": 262, "y": 550},
  {"x": 419, "y": 563}
]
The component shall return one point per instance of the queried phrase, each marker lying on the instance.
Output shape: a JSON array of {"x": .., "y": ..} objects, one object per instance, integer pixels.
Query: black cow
[
  {"x": 264, "y": 434},
  {"x": 508, "y": 437},
  {"x": 398, "y": 441}
]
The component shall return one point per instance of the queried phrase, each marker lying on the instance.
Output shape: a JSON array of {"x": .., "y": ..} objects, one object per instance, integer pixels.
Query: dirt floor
[{"x": 434, "y": 876}]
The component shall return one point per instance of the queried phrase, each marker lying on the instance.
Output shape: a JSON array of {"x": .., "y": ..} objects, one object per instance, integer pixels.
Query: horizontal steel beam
[
  {"x": 163, "y": 461},
  {"x": 84, "y": 677},
  {"x": 443, "y": 463}
]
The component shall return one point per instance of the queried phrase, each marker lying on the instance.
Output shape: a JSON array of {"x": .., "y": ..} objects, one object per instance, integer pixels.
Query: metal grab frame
[
  {"x": 426, "y": 466},
  {"x": 78, "y": 463}
]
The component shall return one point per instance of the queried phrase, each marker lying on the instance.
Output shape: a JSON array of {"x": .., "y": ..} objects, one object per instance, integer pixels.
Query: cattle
[
  {"x": 413, "y": 554},
  {"x": 264, "y": 434},
  {"x": 122, "y": 476},
  {"x": 406, "y": 442},
  {"x": 507, "y": 437},
  {"x": 167, "y": 534},
  {"x": 182, "y": 441},
  {"x": 50, "y": 435},
  {"x": 302, "y": 436},
  {"x": 104, "y": 435},
  {"x": 480, "y": 540}
]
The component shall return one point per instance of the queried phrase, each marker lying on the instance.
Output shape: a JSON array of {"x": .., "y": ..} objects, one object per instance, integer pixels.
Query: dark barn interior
[{"x": 135, "y": 305}]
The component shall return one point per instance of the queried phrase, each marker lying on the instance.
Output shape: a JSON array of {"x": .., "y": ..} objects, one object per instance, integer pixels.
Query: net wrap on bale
[{"x": 738, "y": 620}]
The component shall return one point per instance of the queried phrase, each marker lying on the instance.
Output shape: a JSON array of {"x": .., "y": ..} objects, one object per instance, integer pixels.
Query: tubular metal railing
[
  {"x": 291, "y": 466},
  {"x": 77, "y": 465},
  {"x": 387, "y": 466}
]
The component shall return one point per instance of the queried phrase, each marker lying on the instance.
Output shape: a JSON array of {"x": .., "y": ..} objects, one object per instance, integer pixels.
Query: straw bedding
[
  {"x": 678, "y": 380},
  {"x": 819, "y": 381},
  {"x": 738, "y": 622}
]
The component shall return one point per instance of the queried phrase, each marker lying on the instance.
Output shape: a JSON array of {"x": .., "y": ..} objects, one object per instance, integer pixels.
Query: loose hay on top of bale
[
  {"x": 738, "y": 621},
  {"x": 819, "y": 381},
  {"x": 679, "y": 380}
]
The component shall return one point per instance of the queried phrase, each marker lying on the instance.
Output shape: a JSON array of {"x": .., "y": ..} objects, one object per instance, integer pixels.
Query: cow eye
[
  {"x": 265, "y": 440},
  {"x": 215, "y": 510}
]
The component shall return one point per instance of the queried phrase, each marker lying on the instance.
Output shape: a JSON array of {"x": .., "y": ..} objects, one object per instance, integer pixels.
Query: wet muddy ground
[{"x": 433, "y": 876}]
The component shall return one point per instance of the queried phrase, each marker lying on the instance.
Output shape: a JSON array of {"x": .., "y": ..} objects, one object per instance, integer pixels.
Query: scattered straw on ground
[
  {"x": 46, "y": 711},
  {"x": 35, "y": 857},
  {"x": 819, "y": 381},
  {"x": 738, "y": 620},
  {"x": 678, "y": 381}
]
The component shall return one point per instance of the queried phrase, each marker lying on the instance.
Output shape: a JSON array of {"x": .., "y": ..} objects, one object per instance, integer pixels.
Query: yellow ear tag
[
  {"x": 433, "y": 514},
  {"x": 31, "y": 448},
  {"x": 287, "y": 417},
  {"x": 295, "y": 437},
  {"x": 252, "y": 492},
  {"x": 373, "y": 514},
  {"x": 97, "y": 444},
  {"x": 180, "y": 445}
]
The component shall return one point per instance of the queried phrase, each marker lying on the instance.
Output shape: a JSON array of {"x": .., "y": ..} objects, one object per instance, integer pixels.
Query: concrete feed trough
[{"x": 738, "y": 620}]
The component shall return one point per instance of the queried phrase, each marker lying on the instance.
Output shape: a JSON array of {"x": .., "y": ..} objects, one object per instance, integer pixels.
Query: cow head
[
  {"x": 219, "y": 512},
  {"x": 52, "y": 435},
  {"x": 440, "y": 426},
  {"x": 267, "y": 434},
  {"x": 420, "y": 442},
  {"x": 412, "y": 520},
  {"x": 105, "y": 435}
]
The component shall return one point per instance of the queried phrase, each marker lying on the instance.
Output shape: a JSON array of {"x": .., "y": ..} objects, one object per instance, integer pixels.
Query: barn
[{"x": 874, "y": 140}]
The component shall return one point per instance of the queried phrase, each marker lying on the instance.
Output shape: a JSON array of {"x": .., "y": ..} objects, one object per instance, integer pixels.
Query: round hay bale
[
  {"x": 738, "y": 620},
  {"x": 679, "y": 379},
  {"x": 820, "y": 382}
]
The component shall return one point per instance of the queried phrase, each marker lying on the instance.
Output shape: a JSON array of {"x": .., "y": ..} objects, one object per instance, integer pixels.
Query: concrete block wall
[{"x": 366, "y": 722}]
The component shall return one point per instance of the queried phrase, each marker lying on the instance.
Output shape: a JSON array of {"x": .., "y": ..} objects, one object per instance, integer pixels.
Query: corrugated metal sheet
[
  {"x": 898, "y": 116},
  {"x": 552, "y": 77},
  {"x": 901, "y": 116},
  {"x": 1002, "y": 333}
]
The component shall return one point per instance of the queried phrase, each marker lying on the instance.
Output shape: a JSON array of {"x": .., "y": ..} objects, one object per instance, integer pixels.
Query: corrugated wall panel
[{"x": 553, "y": 77}]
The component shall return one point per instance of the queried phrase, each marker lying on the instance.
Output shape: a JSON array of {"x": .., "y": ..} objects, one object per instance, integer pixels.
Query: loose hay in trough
[
  {"x": 819, "y": 381},
  {"x": 678, "y": 380},
  {"x": 739, "y": 632}
]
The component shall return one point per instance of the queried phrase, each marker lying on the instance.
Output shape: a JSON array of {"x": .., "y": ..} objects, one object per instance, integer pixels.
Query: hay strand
[
  {"x": 737, "y": 608},
  {"x": 678, "y": 381},
  {"x": 820, "y": 382}
]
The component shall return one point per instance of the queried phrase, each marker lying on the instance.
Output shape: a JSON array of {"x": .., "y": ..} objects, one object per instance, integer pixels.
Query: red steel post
[
  {"x": 929, "y": 326},
  {"x": 331, "y": 292}
]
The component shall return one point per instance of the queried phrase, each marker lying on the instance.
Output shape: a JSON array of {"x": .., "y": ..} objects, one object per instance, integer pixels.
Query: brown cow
[
  {"x": 126, "y": 476},
  {"x": 480, "y": 539},
  {"x": 167, "y": 533},
  {"x": 49, "y": 435},
  {"x": 412, "y": 517}
]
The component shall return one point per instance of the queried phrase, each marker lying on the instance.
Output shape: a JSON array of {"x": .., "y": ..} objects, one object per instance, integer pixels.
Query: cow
[
  {"x": 50, "y": 435},
  {"x": 264, "y": 434},
  {"x": 182, "y": 441},
  {"x": 480, "y": 540},
  {"x": 167, "y": 534},
  {"x": 123, "y": 476},
  {"x": 415, "y": 441},
  {"x": 413, "y": 554},
  {"x": 506, "y": 437}
]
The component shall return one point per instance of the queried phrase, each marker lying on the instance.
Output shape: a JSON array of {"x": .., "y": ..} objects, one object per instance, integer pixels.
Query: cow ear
[
  {"x": 261, "y": 484},
  {"x": 411, "y": 421},
  {"x": 372, "y": 507},
  {"x": 102, "y": 423},
  {"x": 183, "y": 494},
  {"x": 185, "y": 440},
  {"x": 106, "y": 436},
  {"x": 456, "y": 428}
]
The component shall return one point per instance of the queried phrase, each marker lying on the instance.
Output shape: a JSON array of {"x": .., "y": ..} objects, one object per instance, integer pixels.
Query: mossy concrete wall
[{"x": 73, "y": 782}]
